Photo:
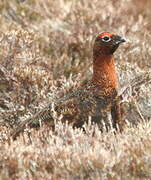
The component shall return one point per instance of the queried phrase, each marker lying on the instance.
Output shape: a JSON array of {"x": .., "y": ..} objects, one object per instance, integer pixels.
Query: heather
[{"x": 46, "y": 52}]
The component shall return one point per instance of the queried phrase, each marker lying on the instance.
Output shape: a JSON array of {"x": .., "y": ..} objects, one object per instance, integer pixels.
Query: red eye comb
[{"x": 105, "y": 34}]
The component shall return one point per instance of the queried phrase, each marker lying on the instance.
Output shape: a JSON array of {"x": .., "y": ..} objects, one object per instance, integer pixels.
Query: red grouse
[{"x": 96, "y": 100}]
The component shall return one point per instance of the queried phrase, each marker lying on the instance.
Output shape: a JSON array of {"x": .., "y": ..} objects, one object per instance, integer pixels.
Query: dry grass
[{"x": 45, "y": 52}]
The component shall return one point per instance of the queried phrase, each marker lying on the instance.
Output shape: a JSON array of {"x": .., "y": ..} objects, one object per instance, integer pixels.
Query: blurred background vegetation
[{"x": 46, "y": 51}]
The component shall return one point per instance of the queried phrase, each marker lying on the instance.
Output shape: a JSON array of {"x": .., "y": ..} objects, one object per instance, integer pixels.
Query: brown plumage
[{"x": 96, "y": 100}]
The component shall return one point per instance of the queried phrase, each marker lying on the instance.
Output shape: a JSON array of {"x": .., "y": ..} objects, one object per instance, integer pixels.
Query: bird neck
[{"x": 104, "y": 72}]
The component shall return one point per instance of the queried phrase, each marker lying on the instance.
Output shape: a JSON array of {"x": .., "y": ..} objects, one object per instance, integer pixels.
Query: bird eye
[{"x": 106, "y": 38}]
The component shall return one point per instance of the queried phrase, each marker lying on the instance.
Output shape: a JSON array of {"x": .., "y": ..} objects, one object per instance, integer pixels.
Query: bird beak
[{"x": 120, "y": 40}]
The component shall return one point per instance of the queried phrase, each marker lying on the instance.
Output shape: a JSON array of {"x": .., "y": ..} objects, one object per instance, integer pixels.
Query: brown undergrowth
[{"x": 46, "y": 52}]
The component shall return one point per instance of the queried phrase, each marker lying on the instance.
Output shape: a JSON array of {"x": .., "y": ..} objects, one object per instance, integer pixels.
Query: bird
[{"x": 97, "y": 100}]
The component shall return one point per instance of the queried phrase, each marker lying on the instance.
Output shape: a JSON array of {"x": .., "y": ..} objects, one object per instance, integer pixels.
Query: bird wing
[{"x": 76, "y": 108}]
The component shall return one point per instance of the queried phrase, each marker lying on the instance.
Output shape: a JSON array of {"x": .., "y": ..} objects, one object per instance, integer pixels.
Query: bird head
[{"x": 106, "y": 43}]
